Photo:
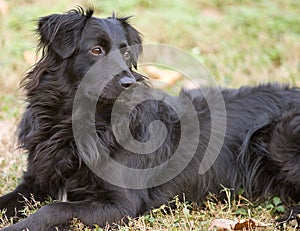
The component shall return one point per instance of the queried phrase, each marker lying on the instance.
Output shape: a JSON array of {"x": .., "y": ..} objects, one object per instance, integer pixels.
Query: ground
[{"x": 240, "y": 42}]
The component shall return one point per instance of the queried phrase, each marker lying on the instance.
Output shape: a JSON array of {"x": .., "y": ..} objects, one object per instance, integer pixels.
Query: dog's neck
[{"x": 103, "y": 112}]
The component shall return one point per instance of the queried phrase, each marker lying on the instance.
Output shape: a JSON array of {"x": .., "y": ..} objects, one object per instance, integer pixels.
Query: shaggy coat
[{"x": 260, "y": 152}]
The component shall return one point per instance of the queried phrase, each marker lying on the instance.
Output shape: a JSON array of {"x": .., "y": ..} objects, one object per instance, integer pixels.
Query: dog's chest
[{"x": 62, "y": 195}]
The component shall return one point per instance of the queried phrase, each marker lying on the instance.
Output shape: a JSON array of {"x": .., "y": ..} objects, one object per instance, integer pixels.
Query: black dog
[{"x": 260, "y": 151}]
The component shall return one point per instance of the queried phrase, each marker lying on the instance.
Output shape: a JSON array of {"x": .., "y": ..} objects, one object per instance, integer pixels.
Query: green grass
[
  {"x": 239, "y": 41},
  {"x": 10, "y": 107},
  {"x": 187, "y": 216}
]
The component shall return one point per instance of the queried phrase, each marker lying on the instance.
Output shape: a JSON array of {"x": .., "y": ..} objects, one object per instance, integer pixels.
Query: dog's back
[{"x": 261, "y": 150}]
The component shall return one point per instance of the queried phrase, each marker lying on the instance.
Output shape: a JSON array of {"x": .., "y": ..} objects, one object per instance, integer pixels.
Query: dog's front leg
[
  {"x": 13, "y": 202},
  {"x": 88, "y": 212}
]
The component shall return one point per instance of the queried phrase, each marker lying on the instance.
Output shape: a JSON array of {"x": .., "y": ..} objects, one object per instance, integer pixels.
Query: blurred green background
[{"x": 239, "y": 41}]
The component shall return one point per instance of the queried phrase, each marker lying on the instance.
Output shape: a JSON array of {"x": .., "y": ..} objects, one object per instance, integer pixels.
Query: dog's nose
[{"x": 126, "y": 82}]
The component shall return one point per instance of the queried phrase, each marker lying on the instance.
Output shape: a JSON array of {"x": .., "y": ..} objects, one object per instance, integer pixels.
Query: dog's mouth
[
  {"x": 112, "y": 91},
  {"x": 124, "y": 95},
  {"x": 120, "y": 88}
]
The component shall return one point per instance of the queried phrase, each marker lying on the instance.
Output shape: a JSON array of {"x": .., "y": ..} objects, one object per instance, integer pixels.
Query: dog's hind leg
[
  {"x": 270, "y": 157},
  {"x": 285, "y": 150}
]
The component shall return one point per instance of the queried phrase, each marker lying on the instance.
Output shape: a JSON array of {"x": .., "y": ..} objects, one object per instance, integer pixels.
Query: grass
[
  {"x": 187, "y": 216},
  {"x": 239, "y": 41}
]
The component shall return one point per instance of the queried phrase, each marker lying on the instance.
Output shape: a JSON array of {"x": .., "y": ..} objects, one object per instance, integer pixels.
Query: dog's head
[{"x": 74, "y": 42}]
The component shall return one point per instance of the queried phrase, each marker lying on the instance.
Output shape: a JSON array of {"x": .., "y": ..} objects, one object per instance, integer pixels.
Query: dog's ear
[
  {"x": 134, "y": 38},
  {"x": 62, "y": 32}
]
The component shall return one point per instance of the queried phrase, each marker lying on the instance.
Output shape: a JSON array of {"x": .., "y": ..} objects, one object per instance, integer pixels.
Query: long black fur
[{"x": 261, "y": 150}]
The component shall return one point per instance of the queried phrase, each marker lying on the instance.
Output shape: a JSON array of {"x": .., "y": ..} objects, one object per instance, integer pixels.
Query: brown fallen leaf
[
  {"x": 3, "y": 7},
  {"x": 248, "y": 224},
  {"x": 221, "y": 224},
  {"x": 161, "y": 78},
  {"x": 229, "y": 225}
]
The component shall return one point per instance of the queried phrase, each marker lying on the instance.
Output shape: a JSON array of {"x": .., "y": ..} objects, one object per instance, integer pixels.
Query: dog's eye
[
  {"x": 126, "y": 55},
  {"x": 98, "y": 50}
]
